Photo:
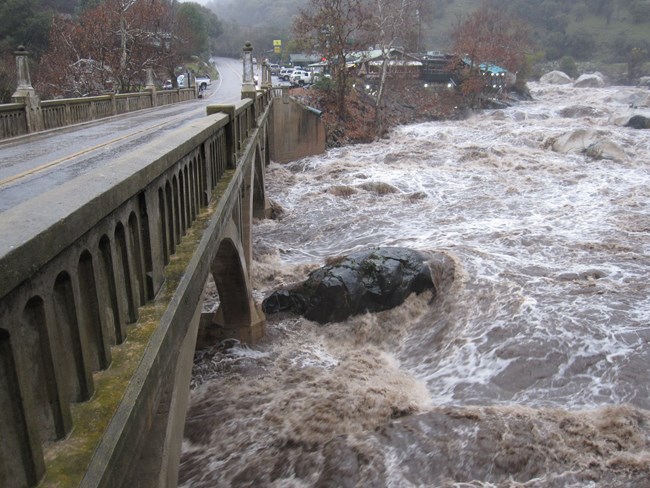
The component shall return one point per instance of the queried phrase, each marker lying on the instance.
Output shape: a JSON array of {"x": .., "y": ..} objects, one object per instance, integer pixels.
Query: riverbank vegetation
[
  {"x": 525, "y": 37},
  {"x": 409, "y": 103},
  {"x": 364, "y": 100}
]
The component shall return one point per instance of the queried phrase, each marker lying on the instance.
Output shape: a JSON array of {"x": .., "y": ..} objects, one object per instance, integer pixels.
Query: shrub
[
  {"x": 581, "y": 44},
  {"x": 569, "y": 66},
  {"x": 324, "y": 83}
]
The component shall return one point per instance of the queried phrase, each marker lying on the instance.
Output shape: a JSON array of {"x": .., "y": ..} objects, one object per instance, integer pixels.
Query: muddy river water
[{"x": 530, "y": 366}]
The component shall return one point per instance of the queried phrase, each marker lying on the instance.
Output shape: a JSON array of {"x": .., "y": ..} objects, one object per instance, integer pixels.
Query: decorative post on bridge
[
  {"x": 25, "y": 92},
  {"x": 248, "y": 89},
  {"x": 266, "y": 76},
  {"x": 151, "y": 87}
]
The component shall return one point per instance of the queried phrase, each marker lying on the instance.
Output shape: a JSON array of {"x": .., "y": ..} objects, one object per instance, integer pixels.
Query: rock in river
[
  {"x": 590, "y": 80},
  {"x": 556, "y": 78},
  {"x": 366, "y": 281},
  {"x": 639, "y": 122}
]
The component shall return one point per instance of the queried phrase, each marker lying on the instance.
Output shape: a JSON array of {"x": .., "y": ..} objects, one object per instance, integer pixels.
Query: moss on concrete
[{"x": 67, "y": 460}]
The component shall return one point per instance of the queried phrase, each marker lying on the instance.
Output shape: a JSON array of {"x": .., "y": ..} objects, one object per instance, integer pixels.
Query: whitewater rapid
[{"x": 528, "y": 369}]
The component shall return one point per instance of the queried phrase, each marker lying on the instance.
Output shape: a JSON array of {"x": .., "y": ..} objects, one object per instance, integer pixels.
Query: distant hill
[{"x": 601, "y": 30}]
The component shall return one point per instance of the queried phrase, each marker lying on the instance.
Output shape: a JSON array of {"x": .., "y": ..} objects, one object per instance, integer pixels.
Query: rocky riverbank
[{"x": 405, "y": 102}]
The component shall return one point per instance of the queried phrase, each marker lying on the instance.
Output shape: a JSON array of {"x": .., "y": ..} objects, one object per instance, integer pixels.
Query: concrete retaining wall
[{"x": 297, "y": 131}]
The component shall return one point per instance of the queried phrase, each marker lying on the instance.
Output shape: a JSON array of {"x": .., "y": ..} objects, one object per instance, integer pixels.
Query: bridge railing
[
  {"x": 29, "y": 114},
  {"x": 13, "y": 121},
  {"x": 75, "y": 280},
  {"x": 68, "y": 111},
  {"x": 279, "y": 91},
  {"x": 167, "y": 97}
]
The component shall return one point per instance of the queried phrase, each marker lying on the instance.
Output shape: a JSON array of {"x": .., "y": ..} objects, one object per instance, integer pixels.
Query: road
[{"x": 34, "y": 164}]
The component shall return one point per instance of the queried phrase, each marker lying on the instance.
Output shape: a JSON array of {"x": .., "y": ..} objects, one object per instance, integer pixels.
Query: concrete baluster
[{"x": 25, "y": 92}]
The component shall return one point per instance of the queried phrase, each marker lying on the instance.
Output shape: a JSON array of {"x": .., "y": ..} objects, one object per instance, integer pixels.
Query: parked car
[
  {"x": 285, "y": 73},
  {"x": 203, "y": 82},
  {"x": 300, "y": 77},
  {"x": 167, "y": 85},
  {"x": 275, "y": 69}
]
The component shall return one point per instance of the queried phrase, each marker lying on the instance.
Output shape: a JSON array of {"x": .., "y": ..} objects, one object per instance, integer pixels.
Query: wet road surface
[{"x": 34, "y": 164}]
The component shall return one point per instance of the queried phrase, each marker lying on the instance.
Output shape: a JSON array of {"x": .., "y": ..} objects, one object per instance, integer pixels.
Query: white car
[
  {"x": 300, "y": 77},
  {"x": 203, "y": 82},
  {"x": 285, "y": 73}
]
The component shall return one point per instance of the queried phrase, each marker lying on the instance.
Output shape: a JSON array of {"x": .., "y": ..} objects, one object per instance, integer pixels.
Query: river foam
[{"x": 528, "y": 369}]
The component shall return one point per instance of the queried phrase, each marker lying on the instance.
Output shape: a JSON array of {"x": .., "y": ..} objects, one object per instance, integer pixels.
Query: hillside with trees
[
  {"x": 605, "y": 31},
  {"x": 493, "y": 38},
  {"x": 65, "y": 37},
  {"x": 253, "y": 20},
  {"x": 88, "y": 47}
]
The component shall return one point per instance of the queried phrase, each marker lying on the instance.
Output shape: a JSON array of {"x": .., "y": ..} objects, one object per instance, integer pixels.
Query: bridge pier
[
  {"x": 158, "y": 464},
  {"x": 237, "y": 316}
]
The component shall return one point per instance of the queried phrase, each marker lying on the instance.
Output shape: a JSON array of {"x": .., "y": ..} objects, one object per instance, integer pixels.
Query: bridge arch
[
  {"x": 135, "y": 243},
  {"x": 237, "y": 315},
  {"x": 176, "y": 208},
  {"x": 228, "y": 271},
  {"x": 20, "y": 456},
  {"x": 89, "y": 317},
  {"x": 169, "y": 206},
  {"x": 260, "y": 202},
  {"x": 69, "y": 347},
  {"x": 110, "y": 305},
  {"x": 124, "y": 268},
  {"x": 162, "y": 222},
  {"x": 42, "y": 385},
  {"x": 184, "y": 204}
]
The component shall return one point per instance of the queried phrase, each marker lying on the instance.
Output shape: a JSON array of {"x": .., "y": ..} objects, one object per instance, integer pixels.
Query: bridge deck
[{"x": 101, "y": 297}]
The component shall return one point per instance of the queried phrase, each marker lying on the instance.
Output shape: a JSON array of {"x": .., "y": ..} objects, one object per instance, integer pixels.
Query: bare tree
[
  {"x": 333, "y": 28},
  {"x": 78, "y": 62},
  {"x": 138, "y": 32},
  {"x": 488, "y": 36},
  {"x": 391, "y": 23},
  {"x": 108, "y": 46}
]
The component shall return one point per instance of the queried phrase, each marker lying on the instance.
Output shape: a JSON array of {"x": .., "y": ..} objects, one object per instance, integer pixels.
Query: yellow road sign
[
  {"x": 277, "y": 42},
  {"x": 277, "y": 50}
]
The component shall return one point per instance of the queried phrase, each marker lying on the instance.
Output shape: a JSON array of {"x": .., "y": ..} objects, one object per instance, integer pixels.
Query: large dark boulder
[
  {"x": 367, "y": 281},
  {"x": 638, "y": 122}
]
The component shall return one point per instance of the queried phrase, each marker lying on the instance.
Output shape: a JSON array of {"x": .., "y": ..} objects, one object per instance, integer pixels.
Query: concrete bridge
[{"x": 101, "y": 294}]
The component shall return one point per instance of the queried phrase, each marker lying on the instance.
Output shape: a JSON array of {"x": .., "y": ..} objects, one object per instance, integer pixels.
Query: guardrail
[{"x": 69, "y": 111}]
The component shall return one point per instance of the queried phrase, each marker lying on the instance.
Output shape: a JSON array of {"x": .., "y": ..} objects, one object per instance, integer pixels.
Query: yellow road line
[{"x": 43, "y": 167}]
